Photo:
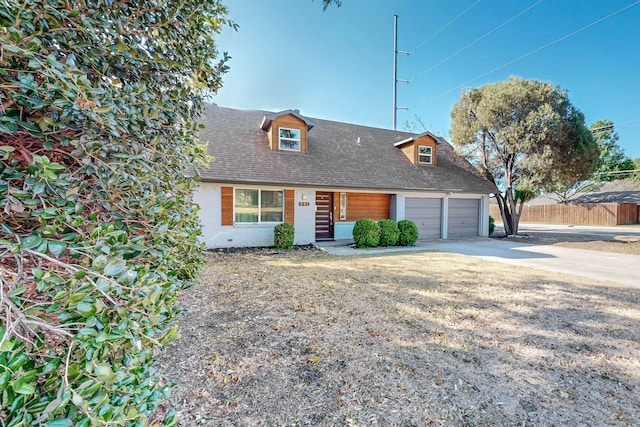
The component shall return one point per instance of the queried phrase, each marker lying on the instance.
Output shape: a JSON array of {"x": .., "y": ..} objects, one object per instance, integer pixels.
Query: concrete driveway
[{"x": 604, "y": 266}]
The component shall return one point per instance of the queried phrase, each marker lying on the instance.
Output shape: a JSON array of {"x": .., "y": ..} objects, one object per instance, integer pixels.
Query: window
[
  {"x": 343, "y": 206},
  {"x": 424, "y": 154},
  {"x": 254, "y": 206},
  {"x": 289, "y": 139}
]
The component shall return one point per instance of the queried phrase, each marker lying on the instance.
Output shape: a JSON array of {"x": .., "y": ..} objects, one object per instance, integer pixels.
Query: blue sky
[{"x": 338, "y": 64}]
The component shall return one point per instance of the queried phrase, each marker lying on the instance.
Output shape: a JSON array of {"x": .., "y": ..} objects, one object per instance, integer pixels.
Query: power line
[
  {"x": 619, "y": 172},
  {"x": 476, "y": 40},
  {"x": 531, "y": 52},
  {"x": 616, "y": 124},
  {"x": 627, "y": 122},
  {"x": 445, "y": 26}
]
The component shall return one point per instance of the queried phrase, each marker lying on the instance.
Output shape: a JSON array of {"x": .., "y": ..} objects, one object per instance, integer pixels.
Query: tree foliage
[
  {"x": 612, "y": 159},
  {"x": 610, "y": 166},
  {"x": 636, "y": 169},
  {"x": 327, "y": 3},
  {"x": 524, "y": 136},
  {"x": 98, "y": 229}
]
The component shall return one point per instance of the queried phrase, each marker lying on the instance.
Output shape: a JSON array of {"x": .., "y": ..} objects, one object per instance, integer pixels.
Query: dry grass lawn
[{"x": 306, "y": 338}]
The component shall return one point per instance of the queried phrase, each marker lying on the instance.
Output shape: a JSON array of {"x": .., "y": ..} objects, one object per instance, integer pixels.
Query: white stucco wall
[
  {"x": 305, "y": 216},
  {"x": 214, "y": 235}
]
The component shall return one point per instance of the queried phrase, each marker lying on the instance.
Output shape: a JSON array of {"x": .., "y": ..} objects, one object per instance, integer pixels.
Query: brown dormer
[
  {"x": 287, "y": 131},
  {"x": 420, "y": 149}
]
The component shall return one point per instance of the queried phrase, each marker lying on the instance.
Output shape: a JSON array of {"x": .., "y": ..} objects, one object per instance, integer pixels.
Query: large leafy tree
[
  {"x": 98, "y": 137},
  {"x": 611, "y": 164},
  {"x": 524, "y": 136},
  {"x": 612, "y": 161}
]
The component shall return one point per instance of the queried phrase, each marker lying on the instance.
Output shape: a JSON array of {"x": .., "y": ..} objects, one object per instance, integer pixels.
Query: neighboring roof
[
  {"x": 617, "y": 191},
  {"x": 608, "y": 197},
  {"x": 268, "y": 118},
  {"x": 334, "y": 157},
  {"x": 595, "y": 197}
]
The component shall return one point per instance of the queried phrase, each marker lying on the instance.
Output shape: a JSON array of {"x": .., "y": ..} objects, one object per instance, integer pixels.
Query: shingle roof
[
  {"x": 608, "y": 197},
  {"x": 334, "y": 157}
]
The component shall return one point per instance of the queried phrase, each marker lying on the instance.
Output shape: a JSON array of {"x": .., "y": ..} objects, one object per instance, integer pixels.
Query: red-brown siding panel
[
  {"x": 289, "y": 206},
  {"x": 365, "y": 205},
  {"x": 227, "y": 205}
]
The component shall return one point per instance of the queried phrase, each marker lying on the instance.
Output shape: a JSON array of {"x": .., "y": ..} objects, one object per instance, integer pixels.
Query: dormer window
[
  {"x": 287, "y": 131},
  {"x": 289, "y": 139},
  {"x": 420, "y": 149},
  {"x": 425, "y": 155}
]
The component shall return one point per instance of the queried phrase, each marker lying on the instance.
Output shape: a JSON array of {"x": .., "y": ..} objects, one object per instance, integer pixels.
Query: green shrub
[
  {"x": 283, "y": 236},
  {"x": 389, "y": 232},
  {"x": 366, "y": 233},
  {"x": 98, "y": 229},
  {"x": 408, "y": 233},
  {"x": 492, "y": 225}
]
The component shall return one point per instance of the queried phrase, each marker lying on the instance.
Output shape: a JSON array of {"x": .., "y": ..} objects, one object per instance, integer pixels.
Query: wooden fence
[{"x": 578, "y": 214}]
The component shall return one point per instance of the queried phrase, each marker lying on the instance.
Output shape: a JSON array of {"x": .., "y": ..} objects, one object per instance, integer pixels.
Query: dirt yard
[{"x": 309, "y": 339}]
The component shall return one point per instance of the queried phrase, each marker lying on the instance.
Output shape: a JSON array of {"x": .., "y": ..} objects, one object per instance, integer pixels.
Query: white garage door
[
  {"x": 464, "y": 217},
  {"x": 427, "y": 214}
]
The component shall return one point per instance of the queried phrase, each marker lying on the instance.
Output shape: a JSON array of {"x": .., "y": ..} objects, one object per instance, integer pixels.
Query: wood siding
[
  {"x": 426, "y": 141},
  {"x": 366, "y": 205},
  {"x": 289, "y": 206},
  {"x": 579, "y": 214},
  {"x": 410, "y": 149},
  {"x": 289, "y": 122},
  {"x": 227, "y": 205}
]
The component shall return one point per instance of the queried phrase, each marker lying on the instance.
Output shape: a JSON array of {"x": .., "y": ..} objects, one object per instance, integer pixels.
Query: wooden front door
[{"x": 324, "y": 215}]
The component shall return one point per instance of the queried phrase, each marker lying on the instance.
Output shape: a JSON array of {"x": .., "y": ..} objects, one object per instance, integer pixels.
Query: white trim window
[
  {"x": 288, "y": 139},
  {"x": 425, "y": 156},
  {"x": 252, "y": 206}
]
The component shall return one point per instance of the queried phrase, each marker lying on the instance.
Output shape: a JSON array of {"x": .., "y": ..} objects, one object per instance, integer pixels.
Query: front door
[{"x": 324, "y": 215}]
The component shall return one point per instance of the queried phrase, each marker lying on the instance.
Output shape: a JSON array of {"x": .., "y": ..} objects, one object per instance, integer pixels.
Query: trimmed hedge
[
  {"x": 389, "y": 232},
  {"x": 408, "y": 233},
  {"x": 366, "y": 233},
  {"x": 283, "y": 235},
  {"x": 492, "y": 225}
]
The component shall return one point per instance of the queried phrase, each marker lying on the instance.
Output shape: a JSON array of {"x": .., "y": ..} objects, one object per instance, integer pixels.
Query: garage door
[
  {"x": 464, "y": 215},
  {"x": 427, "y": 214}
]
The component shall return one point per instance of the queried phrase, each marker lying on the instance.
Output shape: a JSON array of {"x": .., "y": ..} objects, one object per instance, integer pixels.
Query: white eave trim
[{"x": 414, "y": 138}]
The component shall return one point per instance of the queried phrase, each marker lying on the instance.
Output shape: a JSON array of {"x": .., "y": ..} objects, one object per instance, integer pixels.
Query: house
[{"x": 322, "y": 176}]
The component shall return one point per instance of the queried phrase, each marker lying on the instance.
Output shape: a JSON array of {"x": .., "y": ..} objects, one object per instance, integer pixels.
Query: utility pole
[{"x": 395, "y": 70}]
